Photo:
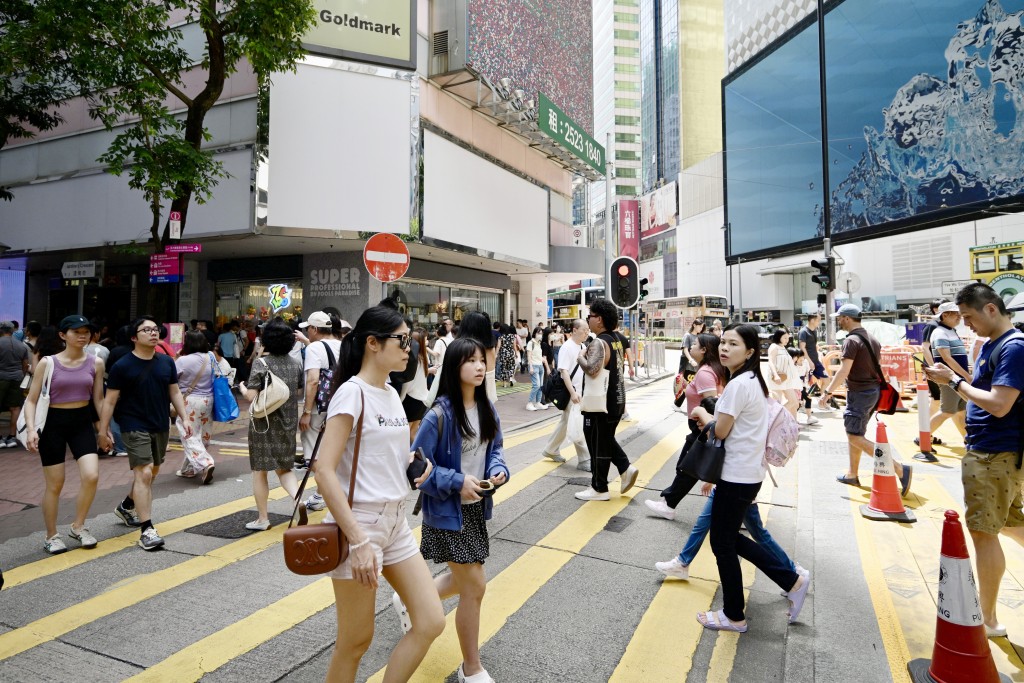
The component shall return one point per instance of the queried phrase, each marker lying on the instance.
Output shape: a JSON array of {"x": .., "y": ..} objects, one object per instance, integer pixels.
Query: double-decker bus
[
  {"x": 572, "y": 304},
  {"x": 1001, "y": 266},
  {"x": 672, "y": 317}
]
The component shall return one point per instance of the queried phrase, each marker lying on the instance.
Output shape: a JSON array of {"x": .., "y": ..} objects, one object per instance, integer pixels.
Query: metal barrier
[{"x": 648, "y": 357}]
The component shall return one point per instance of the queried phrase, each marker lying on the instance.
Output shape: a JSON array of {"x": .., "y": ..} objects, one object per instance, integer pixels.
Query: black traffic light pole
[{"x": 830, "y": 325}]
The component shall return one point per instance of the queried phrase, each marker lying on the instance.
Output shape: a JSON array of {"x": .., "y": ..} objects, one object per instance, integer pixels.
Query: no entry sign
[{"x": 386, "y": 257}]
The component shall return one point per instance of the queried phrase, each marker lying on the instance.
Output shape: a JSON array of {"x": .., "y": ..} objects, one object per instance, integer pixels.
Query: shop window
[{"x": 258, "y": 302}]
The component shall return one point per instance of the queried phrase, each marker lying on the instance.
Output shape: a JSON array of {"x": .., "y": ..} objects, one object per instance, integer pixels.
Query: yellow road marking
[
  {"x": 509, "y": 590},
  {"x": 127, "y": 594},
  {"x": 896, "y": 650},
  {"x": 58, "y": 563}
]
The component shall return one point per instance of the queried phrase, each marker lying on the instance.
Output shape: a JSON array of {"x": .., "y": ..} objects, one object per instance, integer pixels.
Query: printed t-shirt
[
  {"x": 704, "y": 380},
  {"x": 474, "y": 451},
  {"x": 384, "y": 451},
  {"x": 744, "y": 447},
  {"x": 568, "y": 355},
  {"x": 947, "y": 338},
  {"x": 986, "y": 432},
  {"x": 862, "y": 375},
  {"x": 144, "y": 403}
]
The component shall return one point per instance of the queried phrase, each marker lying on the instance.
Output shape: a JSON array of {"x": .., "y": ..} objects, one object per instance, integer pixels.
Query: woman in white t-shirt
[
  {"x": 376, "y": 525},
  {"x": 741, "y": 421}
]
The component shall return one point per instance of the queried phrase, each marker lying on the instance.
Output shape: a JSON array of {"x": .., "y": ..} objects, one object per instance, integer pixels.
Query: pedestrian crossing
[{"x": 540, "y": 536}]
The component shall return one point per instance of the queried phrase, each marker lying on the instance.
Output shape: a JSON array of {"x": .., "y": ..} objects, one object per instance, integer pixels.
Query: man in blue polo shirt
[{"x": 991, "y": 468}]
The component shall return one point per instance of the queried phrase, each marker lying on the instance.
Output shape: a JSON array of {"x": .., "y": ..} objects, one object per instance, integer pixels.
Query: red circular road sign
[{"x": 386, "y": 257}]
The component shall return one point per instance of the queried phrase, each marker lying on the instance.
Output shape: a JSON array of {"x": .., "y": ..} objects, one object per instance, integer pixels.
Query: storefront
[
  {"x": 427, "y": 303},
  {"x": 258, "y": 301}
]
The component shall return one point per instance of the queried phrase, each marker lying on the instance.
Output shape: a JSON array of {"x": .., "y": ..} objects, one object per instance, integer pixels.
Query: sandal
[
  {"x": 796, "y": 598},
  {"x": 849, "y": 481},
  {"x": 717, "y": 621}
]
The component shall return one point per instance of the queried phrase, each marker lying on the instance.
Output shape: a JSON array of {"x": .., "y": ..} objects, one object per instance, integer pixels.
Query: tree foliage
[{"x": 134, "y": 60}]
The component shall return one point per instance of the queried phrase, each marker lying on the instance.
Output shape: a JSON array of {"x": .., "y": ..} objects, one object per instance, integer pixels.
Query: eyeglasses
[
  {"x": 593, "y": 315},
  {"x": 404, "y": 340},
  {"x": 148, "y": 330}
]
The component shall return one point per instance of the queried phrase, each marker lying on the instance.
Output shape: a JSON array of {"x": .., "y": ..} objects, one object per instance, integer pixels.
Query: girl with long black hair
[
  {"x": 468, "y": 463},
  {"x": 741, "y": 421},
  {"x": 381, "y": 541}
]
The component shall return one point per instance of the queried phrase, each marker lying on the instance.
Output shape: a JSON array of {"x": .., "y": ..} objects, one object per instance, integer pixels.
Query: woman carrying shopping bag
[{"x": 196, "y": 369}]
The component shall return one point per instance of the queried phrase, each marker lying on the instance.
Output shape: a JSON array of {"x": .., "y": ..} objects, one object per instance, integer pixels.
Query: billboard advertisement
[
  {"x": 629, "y": 226},
  {"x": 381, "y": 32},
  {"x": 654, "y": 271},
  {"x": 922, "y": 115},
  {"x": 540, "y": 46},
  {"x": 659, "y": 210}
]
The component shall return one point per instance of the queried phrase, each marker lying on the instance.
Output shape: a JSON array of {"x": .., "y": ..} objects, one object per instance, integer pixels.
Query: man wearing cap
[
  {"x": 14, "y": 364},
  {"x": 322, "y": 352},
  {"x": 860, "y": 353},
  {"x": 148, "y": 382},
  {"x": 951, "y": 351}
]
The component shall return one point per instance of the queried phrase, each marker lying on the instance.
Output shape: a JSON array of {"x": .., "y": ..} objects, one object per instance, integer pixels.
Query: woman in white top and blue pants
[{"x": 741, "y": 421}]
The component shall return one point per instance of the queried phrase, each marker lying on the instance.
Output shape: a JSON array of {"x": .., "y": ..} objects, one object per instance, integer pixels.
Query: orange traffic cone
[
  {"x": 924, "y": 424},
  {"x": 885, "y": 504},
  {"x": 961, "y": 653}
]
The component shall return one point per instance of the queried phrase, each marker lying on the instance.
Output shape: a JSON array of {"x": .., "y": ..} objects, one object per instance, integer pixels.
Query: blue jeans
[
  {"x": 536, "y": 382},
  {"x": 115, "y": 430},
  {"x": 755, "y": 528}
]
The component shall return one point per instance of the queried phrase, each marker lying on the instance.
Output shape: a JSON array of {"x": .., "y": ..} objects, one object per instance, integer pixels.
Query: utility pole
[
  {"x": 826, "y": 214},
  {"x": 609, "y": 193}
]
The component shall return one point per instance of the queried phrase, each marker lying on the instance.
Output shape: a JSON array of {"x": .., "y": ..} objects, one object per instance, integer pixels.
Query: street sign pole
[{"x": 81, "y": 296}]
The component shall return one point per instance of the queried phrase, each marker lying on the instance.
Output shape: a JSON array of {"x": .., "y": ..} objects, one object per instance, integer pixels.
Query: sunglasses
[
  {"x": 593, "y": 315},
  {"x": 404, "y": 340}
]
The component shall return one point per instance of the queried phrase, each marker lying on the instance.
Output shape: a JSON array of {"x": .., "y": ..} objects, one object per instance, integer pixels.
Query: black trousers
[
  {"x": 683, "y": 482},
  {"x": 729, "y": 545},
  {"x": 599, "y": 432}
]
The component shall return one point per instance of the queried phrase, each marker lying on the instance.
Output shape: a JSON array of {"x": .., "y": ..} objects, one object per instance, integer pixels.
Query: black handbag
[
  {"x": 554, "y": 389},
  {"x": 705, "y": 457}
]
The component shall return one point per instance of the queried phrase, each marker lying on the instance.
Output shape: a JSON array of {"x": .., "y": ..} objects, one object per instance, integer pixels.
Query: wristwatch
[
  {"x": 307, "y": 411},
  {"x": 956, "y": 382}
]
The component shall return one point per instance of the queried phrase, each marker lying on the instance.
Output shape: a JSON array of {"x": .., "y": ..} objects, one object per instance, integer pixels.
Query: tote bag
[
  {"x": 225, "y": 407},
  {"x": 705, "y": 457},
  {"x": 42, "y": 407},
  {"x": 595, "y": 393}
]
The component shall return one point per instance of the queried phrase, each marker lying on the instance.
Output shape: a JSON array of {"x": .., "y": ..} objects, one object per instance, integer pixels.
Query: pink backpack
[{"x": 783, "y": 435}]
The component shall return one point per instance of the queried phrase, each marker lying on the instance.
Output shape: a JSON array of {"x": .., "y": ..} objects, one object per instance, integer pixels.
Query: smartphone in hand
[
  {"x": 922, "y": 360},
  {"x": 416, "y": 468}
]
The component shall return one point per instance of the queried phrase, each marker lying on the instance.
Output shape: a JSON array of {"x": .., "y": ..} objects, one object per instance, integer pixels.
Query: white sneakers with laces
[
  {"x": 673, "y": 569},
  {"x": 83, "y": 536}
]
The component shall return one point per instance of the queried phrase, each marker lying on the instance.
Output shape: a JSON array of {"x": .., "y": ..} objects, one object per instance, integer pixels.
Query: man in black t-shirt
[
  {"x": 148, "y": 382},
  {"x": 808, "y": 339}
]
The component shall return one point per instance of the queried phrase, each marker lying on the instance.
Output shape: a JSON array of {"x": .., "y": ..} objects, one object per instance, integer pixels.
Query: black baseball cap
[{"x": 74, "y": 322}]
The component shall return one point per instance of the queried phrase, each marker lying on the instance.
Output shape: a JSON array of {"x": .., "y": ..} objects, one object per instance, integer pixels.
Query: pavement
[{"x": 572, "y": 593}]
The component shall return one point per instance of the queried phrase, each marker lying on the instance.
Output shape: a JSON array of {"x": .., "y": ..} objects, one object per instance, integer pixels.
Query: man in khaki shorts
[
  {"x": 148, "y": 383},
  {"x": 992, "y": 476}
]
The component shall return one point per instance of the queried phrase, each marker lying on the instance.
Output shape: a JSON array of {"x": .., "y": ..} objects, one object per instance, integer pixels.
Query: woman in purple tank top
[{"x": 75, "y": 387}]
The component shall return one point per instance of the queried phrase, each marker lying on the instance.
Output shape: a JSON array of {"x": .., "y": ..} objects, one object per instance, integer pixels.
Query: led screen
[{"x": 923, "y": 101}]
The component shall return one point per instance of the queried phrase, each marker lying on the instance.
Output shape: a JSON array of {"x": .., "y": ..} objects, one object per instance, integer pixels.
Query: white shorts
[{"x": 390, "y": 537}]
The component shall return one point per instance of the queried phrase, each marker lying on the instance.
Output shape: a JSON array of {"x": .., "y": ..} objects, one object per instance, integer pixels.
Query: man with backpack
[
  {"x": 321, "y": 356},
  {"x": 861, "y": 373},
  {"x": 991, "y": 468}
]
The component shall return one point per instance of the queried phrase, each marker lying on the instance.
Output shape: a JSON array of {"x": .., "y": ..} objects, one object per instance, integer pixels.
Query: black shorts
[
  {"x": 414, "y": 408},
  {"x": 67, "y": 428}
]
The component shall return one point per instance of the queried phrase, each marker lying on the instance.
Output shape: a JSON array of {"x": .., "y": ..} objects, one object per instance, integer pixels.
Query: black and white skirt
[{"x": 469, "y": 546}]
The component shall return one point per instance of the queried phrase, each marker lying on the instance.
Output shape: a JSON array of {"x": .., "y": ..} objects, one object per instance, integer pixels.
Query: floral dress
[{"x": 507, "y": 357}]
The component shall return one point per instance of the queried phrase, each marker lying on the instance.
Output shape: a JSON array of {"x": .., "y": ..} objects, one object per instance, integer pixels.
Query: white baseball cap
[
  {"x": 948, "y": 307},
  {"x": 317, "y": 319}
]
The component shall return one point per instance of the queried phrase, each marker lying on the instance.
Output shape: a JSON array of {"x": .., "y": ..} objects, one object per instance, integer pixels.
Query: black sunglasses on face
[{"x": 404, "y": 340}]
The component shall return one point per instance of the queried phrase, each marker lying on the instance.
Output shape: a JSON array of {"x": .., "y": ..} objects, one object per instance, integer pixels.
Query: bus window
[
  {"x": 717, "y": 302},
  {"x": 984, "y": 262},
  {"x": 1010, "y": 259},
  {"x": 695, "y": 302},
  {"x": 593, "y": 293}
]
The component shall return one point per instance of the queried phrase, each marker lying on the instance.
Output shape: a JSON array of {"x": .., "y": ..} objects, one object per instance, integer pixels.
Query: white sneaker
[
  {"x": 660, "y": 508},
  {"x": 529, "y": 406},
  {"x": 544, "y": 406},
  {"x": 482, "y": 677},
  {"x": 257, "y": 525},
  {"x": 811, "y": 420},
  {"x": 315, "y": 502},
  {"x": 403, "y": 613},
  {"x": 629, "y": 478},
  {"x": 591, "y": 494},
  {"x": 673, "y": 569},
  {"x": 83, "y": 536}
]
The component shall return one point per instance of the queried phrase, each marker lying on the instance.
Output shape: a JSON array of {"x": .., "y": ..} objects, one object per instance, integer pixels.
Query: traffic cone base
[
  {"x": 918, "y": 669},
  {"x": 880, "y": 516}
]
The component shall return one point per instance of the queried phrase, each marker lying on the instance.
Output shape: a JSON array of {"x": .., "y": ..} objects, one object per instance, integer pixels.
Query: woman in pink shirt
[{"x": 706, "y": 383}]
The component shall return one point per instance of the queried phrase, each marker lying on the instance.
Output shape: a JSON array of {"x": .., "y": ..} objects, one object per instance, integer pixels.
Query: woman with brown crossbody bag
[{"x": 374, "y": 525}]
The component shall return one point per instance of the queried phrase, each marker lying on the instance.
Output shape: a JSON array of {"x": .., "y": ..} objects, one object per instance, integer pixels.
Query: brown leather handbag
[{"x": 319, "y": 548}]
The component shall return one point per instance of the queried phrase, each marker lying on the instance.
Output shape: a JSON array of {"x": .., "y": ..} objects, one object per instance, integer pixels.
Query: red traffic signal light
[
  {"x": 624, "y": 270},
  {"x": 624, "y": 282}
]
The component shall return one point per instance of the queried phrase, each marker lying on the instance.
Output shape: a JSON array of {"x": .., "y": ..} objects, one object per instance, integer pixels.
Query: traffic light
[
  {"x": 826, "y": 275},
  {"x": 624, "y": 281},
  {"x": 643, "y": 289}
]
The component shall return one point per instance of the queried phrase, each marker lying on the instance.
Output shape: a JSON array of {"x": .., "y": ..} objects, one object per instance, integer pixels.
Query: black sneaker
[
  {"x": 150, "y": 539},
  {"x": 127, "y": 516}
]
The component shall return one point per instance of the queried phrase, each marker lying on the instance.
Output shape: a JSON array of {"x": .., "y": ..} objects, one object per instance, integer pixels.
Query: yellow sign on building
[{"x": 377, "y": 32}]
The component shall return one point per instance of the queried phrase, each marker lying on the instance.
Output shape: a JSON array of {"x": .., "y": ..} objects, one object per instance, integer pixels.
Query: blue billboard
[{"x": 923, "y": 101}]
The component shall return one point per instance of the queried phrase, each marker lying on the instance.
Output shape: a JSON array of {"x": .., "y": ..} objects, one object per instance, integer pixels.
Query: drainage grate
[
  {"x": 233, "y": 525},
  {"x": 617, "y": 524}
]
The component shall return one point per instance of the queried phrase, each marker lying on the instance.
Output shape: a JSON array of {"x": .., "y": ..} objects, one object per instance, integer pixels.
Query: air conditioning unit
[{"x": 447, "y": 36}]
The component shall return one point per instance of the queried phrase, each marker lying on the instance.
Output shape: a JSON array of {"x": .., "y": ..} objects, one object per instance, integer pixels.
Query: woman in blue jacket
[{"x": 468, "y": 463}]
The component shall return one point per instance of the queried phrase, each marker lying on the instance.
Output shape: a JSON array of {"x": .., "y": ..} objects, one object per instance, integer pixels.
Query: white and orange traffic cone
[
  {"x": 961, "y": 653},
  {"x": 924, "y": 424},
  {"x": 885, "y": 505}
]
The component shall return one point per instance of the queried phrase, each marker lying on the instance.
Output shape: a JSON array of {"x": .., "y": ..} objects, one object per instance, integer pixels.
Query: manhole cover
[
  {"x": 617, "y": 524},
  {"x": 233, "y": 525}
]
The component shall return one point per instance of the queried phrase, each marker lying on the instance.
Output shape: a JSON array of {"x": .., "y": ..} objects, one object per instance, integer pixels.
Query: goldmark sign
[{"x": 373, "y": 31}]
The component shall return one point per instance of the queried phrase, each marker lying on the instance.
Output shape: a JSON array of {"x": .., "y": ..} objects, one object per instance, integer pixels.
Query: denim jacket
[{"x": 442, "y": 500}]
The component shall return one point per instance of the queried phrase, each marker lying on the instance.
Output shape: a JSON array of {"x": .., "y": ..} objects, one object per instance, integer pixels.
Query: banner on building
[
  {"x": 629, "y": 225},
  {"x": 659, "y": 210}
]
